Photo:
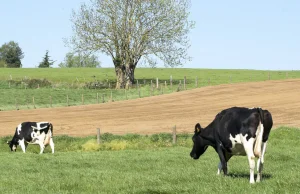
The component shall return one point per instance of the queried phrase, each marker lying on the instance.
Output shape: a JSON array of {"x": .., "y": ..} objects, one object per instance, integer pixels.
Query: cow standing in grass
[
  {"x": 236, "y": 131},
  {"x": 32, "y": 133}
]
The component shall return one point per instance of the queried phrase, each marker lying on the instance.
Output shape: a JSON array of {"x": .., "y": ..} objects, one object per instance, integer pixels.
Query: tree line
[{"x": 11, "y": 55}]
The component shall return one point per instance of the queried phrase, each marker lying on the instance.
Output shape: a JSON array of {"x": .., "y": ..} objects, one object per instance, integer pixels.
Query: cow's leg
[
  {"x": 222, "y": 159},
  {"x": 248, "y": 146},
  {"x": 42, "y": 146},
  {"x": 52, "y": 145},
  {"x": 227, "y": 157},
  {"x": 260, "y": 162},
  {"x": 22, "y": 145}
]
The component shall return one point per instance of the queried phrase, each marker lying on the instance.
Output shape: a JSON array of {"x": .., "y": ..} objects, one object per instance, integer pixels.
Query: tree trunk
[
  {"x": 125, "y": 76},
  {"x": 120, "y": 73},
  {"x": 130, "y": 75}
]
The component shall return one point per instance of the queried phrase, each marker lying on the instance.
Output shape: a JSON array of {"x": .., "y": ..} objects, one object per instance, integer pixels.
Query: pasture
[
  {"x": 142, "y": 158},
  {"x": 75, "y": 86},
  {"x": 159, "y": 167}
]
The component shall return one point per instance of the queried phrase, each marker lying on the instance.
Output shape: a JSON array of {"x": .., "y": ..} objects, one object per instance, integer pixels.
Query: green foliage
[
  {"x": 46, "y": 63},
  {"x": 72, "y": 60},
  {"x": 146, "y": 170},
  {"x": 2, "y": 63},
  {"x": 11, "y": 55}
]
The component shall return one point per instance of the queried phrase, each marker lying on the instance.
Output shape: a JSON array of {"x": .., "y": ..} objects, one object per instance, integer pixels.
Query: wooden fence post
[
  {"x": 171, "y": 80},
  {"x": 137, "y": 84},
  {"x": 33, "y": 102},
  {"x": 165, "y": 84},
  {"x": 98, "y": 136},
  {"x": 174, "y": 134},
  {"x": 139, "y": 92},
  {"x": 156, "y": 83},
  {"x": 184, "y": 82},
  {"x": 17, "y": 106}
]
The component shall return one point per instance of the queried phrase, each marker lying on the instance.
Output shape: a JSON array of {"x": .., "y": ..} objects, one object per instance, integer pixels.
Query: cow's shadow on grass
[{"x": 247, "y": 175}]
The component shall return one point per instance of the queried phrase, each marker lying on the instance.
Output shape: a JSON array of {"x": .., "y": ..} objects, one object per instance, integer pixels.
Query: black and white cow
[
  {"x": 236, "y": 131},
  {"x": 32, "y": 133}
]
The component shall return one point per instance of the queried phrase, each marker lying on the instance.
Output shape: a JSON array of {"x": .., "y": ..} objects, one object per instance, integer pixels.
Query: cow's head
[
  {"x": 13, "y": 145},
  {"x": 199, "y": 146}
]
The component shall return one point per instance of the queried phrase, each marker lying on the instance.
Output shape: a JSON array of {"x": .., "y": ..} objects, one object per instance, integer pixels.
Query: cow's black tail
[{"x": 259, "y": 134}]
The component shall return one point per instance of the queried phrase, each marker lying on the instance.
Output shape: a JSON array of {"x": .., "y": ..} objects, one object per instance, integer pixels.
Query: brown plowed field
[{"x": 161, "y": 113}]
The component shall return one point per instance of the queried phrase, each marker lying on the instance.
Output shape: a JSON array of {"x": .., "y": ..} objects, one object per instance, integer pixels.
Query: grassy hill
[{"x": 28, "y": 88}]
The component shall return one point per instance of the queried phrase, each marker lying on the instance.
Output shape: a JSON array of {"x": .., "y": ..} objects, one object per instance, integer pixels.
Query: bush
[{"x": 35, "y": 83}]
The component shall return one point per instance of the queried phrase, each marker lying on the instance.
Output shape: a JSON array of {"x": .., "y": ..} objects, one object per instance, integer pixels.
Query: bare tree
[{"x": 131, "y": 30}]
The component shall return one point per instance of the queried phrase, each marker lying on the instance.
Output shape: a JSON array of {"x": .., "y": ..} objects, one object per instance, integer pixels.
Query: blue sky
[{"x": 231, "y": 34}]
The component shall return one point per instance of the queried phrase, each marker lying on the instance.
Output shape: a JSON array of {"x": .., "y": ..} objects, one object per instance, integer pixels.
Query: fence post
[
  {"x": 33, "y": 102},
  {"x": 157, "y": 83},
  {"x": 196, "y": 81},
  {"x": 137, "y": 84},
  {"x": 139, "y": 92},
  {"x": 171, "y": 80},
  {"x": 98, "y": 136},
  {"x": 174, "y": 134},
  {"x": 165, "y": 84},
  {"x": 17, "y": 106},
  {"x": 184, "y": 82},
  {"x": 50, "y": 101}
]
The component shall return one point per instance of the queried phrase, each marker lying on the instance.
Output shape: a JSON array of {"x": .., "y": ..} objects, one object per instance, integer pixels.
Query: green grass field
[
  {"x": 154, "y": 166},
  {"x": 67, "y": 85}
]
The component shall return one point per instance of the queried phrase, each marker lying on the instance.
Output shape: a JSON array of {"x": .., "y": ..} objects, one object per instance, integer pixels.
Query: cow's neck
[{"x": 208, "y": 135}]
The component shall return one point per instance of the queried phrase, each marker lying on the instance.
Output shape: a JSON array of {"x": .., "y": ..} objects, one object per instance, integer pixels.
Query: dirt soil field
[{"x": 160, "y": 113}]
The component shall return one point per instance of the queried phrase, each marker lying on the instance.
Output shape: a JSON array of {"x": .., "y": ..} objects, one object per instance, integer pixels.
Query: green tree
[
  {"x": 72, "y": 60},
  {"x": 11, "y": 54},
  {"x": 46, "y": 63},
  {"x": 133, "y": 30}
]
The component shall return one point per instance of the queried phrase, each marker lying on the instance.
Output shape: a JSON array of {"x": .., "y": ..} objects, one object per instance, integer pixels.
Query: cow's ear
[{"x": 197, "y": 128}]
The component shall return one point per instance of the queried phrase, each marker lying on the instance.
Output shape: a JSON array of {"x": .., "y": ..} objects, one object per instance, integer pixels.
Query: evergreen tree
[{"x": 46, "y": 63}]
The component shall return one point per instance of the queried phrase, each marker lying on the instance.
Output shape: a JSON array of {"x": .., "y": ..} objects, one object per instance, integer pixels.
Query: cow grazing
[
  {"x": 32, "y": 133},
  {"x": 236, "y": 131}
]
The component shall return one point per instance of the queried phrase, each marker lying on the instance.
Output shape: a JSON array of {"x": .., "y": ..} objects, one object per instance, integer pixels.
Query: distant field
[
  {"x": 158, "y": 167},
  {"x": 67, "y": 84}
]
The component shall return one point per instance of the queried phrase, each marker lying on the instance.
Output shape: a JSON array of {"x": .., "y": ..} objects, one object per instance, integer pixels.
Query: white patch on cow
[
  {"x": 22, "y": 145},
  {"x": 258, "y": 143},
  {"x": 237, "y": 144},
  {"x": 19, "y": 128},
  {"x": 253, "y": 108}
]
